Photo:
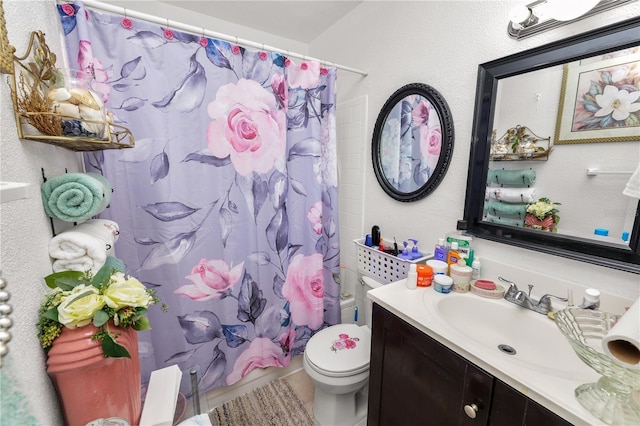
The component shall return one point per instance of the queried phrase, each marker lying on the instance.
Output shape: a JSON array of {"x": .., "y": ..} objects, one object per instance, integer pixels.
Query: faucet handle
[
  {"x": 545, "y": 300},
  {"x": 513, "y": 288}
]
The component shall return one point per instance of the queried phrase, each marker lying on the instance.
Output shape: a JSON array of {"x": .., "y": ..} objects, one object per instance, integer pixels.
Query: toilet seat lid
[{"x": 340, "y": 350}]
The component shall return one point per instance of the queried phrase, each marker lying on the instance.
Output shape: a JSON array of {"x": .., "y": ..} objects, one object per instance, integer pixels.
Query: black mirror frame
[
  {"x": 446, "y": 151},
  {"x": 607, "y": 39}
]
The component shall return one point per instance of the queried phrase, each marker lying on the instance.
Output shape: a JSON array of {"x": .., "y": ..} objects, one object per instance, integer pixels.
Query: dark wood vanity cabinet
[{"x": 415, "y": 380}]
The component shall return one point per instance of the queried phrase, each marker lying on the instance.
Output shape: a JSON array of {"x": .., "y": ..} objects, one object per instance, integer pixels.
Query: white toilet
[{"x": 337, "y": 360}]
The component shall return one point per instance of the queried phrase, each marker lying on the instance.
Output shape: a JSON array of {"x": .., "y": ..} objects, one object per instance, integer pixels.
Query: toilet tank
[{"x": 369, "y": 284}]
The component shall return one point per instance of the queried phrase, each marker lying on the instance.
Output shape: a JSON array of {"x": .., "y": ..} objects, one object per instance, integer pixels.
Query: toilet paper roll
[{"x": 622, "y": 342}]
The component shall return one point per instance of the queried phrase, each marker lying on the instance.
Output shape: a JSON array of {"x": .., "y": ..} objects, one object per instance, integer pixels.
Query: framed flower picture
[{"x": 600, "y": 99}]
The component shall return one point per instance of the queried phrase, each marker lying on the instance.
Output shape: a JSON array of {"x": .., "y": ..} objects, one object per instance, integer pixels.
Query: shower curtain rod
[{"x": 195, "y": 30}]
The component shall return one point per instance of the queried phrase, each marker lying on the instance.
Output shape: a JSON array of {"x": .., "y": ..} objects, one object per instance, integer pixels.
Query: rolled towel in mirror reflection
[
  {"x": 512, "y": 195},
  {"x": 506, "y": 222},
  {"x": 507, "y": 210},
  {"x": 511, "y": 177}
]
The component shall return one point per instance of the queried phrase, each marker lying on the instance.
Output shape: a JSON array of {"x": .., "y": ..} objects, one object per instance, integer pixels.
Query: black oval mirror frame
[
  {"x": 603, "y": 40},
  {"x": 422, "y": 100}
]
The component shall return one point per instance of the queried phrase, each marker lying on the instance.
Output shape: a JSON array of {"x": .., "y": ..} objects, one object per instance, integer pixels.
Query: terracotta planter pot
[
  {"x": 91, "y": 386},
  {"x": 546, "y": 225}
]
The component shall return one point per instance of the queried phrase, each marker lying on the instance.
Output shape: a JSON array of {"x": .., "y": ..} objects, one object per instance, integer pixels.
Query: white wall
[
  {"x": 441, "y": 43},
  {"x": 25, "y": 232}
]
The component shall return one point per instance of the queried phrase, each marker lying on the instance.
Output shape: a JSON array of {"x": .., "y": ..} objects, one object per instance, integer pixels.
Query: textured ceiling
[{"x": 297, "y": 20}]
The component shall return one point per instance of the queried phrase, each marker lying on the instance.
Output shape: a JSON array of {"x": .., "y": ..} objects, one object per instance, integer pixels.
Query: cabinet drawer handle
[{"x": 471, "y": 410}]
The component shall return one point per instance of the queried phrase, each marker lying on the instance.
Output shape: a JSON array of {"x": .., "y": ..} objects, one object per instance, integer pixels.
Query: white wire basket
[{"x": 383, "y": 267}]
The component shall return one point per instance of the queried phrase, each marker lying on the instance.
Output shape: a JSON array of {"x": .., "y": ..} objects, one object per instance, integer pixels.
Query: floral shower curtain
[{"x": 227, "y": 205}]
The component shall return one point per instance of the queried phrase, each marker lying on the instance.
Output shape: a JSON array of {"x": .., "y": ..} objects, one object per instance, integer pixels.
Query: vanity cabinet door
[
  {"x": 414, "y": 380},
  {"x": 509, "y": 405}
]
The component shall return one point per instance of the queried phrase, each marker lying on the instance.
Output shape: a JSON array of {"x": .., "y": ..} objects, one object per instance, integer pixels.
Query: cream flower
[
  {"x": 619, "y": 103},
  {"x": 124, "y": 292},
  {"x": 77, "y": 312}
]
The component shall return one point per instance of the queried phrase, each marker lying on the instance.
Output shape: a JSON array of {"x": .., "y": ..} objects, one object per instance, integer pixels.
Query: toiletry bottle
[
  {"x": 412, "y": 277},
  {"x": 425, "y": 275},
  {"x": 452, "y": 256},
  {"x": 440, "y": 252},
  {"x": 475, "y": 269},
  {"x": 460, "y": 273},
  {"x": 465, "y": 245}
]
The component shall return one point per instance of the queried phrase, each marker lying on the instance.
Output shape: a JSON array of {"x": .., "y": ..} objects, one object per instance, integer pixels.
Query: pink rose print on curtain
[
  {"x": 304, "y": 289},
  {"x": 305, "y": 75},
  {"x": 210, "y": 280},
  {"x": 315, "y": 217},
  {"x": 431, "y": 138},
  {"x": 420, "y": 114},
  {"x": 247, "y": 126},
  {"x": 344, "y": 342},
  {"x": 279, "y": 86},
  {"x": 261, "y": 353},
  {"x": 94, "y": 66}
]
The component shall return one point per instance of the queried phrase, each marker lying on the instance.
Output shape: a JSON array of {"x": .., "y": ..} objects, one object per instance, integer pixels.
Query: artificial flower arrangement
[
  {"x": 542, "y": 215},
  {"x": 80, "y": 298}
]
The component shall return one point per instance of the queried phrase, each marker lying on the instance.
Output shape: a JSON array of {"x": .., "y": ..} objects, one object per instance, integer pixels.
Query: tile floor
[{"x": 303, "y": 387}]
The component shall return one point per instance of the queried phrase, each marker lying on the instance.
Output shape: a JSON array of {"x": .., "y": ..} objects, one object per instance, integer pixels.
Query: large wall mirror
[
  {"x": 544, "y": 127},
  {"x": 412, "y": 142}
]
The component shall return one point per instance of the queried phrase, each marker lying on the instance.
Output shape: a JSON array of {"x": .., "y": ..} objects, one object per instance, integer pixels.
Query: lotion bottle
[
  {"x": 412, "y": 277},
  {"x": 453, "y": 256},
  {"x": 441, "y": 250},
  {"x": 475, "y": 269}
]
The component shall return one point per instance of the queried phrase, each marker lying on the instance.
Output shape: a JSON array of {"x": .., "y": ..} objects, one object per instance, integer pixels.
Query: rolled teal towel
[
  {"x": 507, "y": 210},
  {"x": 507, "y": 222},
  {"x": 512, "y": 177},
  {"x": 75, "y": 197}
]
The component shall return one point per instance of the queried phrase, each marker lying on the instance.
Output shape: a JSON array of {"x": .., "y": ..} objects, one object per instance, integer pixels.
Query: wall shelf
[
  {"x": 520, "y": 144},
  {"x": 43, "y": 115}
]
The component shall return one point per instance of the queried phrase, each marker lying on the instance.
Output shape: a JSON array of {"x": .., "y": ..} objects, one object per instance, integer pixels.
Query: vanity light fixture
[{"x": 543, "y": 15}]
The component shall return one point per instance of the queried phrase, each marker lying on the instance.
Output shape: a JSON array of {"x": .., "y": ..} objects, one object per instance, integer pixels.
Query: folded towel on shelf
[
  {"x": 511, "y": 177},
  {"x": 512, "y": 195},
  {"x": 507, "y": 222},
  {"x": 75, "y": 197},
  {"x": 506, "y": 210},
  {"x": 84, "y": 247}
]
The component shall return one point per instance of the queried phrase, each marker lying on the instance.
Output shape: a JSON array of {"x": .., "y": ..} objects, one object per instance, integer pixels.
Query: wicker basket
[{"x": 381, "y": 266}]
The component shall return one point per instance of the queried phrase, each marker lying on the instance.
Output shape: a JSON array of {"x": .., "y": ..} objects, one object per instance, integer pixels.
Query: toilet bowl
[{"x": 337, "y": 360}]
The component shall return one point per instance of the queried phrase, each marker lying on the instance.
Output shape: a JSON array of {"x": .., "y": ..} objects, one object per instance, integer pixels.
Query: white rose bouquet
[{"x": 79, "y": 299}]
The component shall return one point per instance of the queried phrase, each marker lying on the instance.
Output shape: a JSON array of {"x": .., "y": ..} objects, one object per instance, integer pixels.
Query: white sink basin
[{"x": 521, "y": 335}]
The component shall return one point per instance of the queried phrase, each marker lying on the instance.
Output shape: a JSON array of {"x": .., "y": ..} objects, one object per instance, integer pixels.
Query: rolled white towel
[
  {"x": 84, "y": 247},
  {"x": 512, "y": 195}
]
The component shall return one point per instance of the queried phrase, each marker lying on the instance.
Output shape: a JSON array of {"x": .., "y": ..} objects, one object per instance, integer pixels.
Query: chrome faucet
[{"x": 524, "y": 299}]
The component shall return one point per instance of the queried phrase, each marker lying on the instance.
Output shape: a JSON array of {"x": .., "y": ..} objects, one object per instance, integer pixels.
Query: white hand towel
[
  {"x": 632, "y": 189},
  {"x": 622, "y": 342},
  {"x": 84, "y": 247},
  {"x": 512, "y": 195}
]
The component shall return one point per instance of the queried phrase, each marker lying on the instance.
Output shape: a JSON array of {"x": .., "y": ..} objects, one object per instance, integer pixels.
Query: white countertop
[{"x": 551, "y": 389}]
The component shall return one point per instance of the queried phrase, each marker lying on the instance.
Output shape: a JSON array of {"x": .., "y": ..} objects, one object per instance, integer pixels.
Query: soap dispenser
[{"x": 415, "y": 253}]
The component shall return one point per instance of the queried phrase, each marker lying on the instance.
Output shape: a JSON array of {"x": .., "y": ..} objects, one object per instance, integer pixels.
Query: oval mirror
[{"x": 412, "y": 142}]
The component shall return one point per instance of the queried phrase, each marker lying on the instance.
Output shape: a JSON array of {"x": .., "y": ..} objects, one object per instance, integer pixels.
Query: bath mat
[{"x": 273, "y": 404}]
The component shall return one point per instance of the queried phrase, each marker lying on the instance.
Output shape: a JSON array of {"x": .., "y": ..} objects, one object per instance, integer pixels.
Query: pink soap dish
[{"x": 498, "y": 293}]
